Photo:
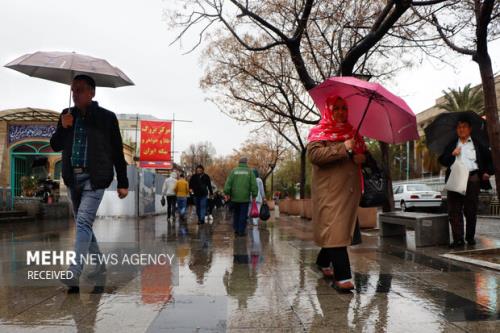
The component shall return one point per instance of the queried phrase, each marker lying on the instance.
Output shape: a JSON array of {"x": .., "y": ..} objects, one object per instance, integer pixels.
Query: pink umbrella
[{"x": 373, "y": 110}]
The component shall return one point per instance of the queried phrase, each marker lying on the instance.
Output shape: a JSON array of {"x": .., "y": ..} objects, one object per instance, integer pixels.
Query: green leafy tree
[{"x": 466, "y": 99}]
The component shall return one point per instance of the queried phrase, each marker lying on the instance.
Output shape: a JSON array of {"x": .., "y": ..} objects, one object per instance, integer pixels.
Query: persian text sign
[
  {"x": 156, "y": 139},
  {"x": 21, "y": 132}
]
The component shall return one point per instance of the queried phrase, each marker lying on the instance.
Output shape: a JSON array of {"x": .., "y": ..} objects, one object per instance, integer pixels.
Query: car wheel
[{"x": 403, "y": 207}]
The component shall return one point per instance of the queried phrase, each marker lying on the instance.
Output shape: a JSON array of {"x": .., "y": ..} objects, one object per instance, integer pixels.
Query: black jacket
[
  {"x": 483, "y": 159},
  {"x": 104, "y": 148},
  {"x": 200, "y": 184}
]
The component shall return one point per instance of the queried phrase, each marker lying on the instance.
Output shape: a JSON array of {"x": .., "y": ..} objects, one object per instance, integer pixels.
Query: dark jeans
[
  {"x": 181, "y": 206},
  {"x": 201, "y": 208},
  {"x": 210, "y": 206},
  {"x": 85, "y": 201},
  {"x": 171, "y": 201},
  {"x": 240, "y": 214},
  {"x": 460, "y": 205},
  {"x": 338, "y": 258}
]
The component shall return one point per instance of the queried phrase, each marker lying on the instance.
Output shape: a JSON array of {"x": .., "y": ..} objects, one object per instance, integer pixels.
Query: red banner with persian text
[{"x": 156, "y": 141}]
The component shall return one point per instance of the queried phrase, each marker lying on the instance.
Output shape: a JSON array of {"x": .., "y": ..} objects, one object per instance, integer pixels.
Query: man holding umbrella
[
  {"x": 91, "y": 144},
  {"x": 475, "y": 154}
]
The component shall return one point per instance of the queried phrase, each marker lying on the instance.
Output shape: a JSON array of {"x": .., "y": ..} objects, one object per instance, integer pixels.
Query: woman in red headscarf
[{"x": 336, "y": 153}]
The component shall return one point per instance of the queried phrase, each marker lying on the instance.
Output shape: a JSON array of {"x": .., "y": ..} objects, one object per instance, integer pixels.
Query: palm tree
[{"x": 466, "y": 99}]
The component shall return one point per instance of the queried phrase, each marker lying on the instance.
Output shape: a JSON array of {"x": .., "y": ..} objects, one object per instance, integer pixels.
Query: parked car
[{"x": 408, "y": 196}]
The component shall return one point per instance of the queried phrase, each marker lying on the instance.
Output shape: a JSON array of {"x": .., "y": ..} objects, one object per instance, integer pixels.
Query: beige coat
[{"x": 335, "y": 191}]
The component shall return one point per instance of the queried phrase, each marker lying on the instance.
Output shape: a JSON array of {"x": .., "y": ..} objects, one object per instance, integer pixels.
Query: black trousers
[
  {"x": 171, "y": 202},
  {"x": 338, "y": 258},
  {"x": 460, "y": 205}
]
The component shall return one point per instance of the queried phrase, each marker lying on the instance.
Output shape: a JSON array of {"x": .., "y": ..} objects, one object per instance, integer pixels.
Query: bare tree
[
  {"x": 201, "y": 153},
  {"x": 258, "y": 88},
  {"x": 264, "y": 151},
  {"x": 299, "y": 26},
  {"x": 467, "y": 27}
]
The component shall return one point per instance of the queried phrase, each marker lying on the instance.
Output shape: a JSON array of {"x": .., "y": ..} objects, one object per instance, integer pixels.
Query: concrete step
[
  {"x": 13, "y": 213},
  {"x": 15, "y": 219}
]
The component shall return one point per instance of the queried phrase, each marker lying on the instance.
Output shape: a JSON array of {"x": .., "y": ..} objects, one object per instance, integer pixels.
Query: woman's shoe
[
  {"x": 346, "y": 286},
  {"x": 327, "y": 271}
]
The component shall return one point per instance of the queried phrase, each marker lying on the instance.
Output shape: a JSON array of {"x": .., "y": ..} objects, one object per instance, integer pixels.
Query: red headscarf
[{"x": 330, "y": 130}]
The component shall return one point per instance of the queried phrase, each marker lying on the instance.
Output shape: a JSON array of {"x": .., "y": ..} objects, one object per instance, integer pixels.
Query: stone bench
[{"x": 430, "y": 229}]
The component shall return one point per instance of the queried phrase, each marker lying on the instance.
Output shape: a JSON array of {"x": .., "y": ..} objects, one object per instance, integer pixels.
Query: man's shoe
[
  {"x": 457, "y": 244},
  {"x": 97, "y": 272},
  {"x": 72, "y": 283},
  {"x": 343, "y": 287},
  {"x": 471, "y": 241}
]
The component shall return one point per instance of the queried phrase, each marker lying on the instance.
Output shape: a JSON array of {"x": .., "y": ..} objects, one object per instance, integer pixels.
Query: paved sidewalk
[{"x": 264, "y": 282}]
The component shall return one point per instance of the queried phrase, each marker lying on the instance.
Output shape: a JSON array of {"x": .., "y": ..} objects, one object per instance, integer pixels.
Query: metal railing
[{"x": 436, "y": 183}]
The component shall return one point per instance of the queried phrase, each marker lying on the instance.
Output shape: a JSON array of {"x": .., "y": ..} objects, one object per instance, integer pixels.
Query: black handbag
[
  {"x": 375, "y": 184},
  {"x": 162, "y": 200},
  {"x": 264, "y": 214}
]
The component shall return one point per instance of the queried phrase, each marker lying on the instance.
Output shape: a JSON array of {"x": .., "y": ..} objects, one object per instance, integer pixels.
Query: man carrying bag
[{"x": 465, "y": 153}]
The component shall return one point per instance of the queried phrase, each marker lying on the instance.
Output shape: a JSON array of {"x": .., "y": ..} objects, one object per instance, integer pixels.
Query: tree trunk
[
  {"x": 491, "y": 111},
  {"x": 303, "y": 155},
  {"x": 264, "y": 180},
  {"x": 412, "y": 159},
  {"x": 386, "y": 167}
]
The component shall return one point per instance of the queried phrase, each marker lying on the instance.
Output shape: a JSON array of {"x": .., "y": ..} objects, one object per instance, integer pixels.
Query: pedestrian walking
[
  {"x": 241, "y": 187},
  {"x": 336, "y": 153},
  {"x": 218, "y": 200},
  {"x": 261, "y": 195},
  {"x": 476, "y": 156},
  {"x": 169, "y": 191},
  {"x": 182, "y": 193},
  {"x": 210, "y": 207},
  {"x": 91, "y": 144},
  {"x": 201, "y": 186}
]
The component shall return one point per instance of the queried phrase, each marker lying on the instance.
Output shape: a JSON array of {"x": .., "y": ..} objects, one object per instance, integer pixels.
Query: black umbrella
[{"x": 442, "y": 131}]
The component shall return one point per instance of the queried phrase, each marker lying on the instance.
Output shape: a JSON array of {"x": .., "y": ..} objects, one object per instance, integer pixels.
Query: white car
[{"x": 407, "y": 196}]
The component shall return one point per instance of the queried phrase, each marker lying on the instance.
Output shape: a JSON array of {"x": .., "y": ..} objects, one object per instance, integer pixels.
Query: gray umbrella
[{"x": 64, "y": 66}]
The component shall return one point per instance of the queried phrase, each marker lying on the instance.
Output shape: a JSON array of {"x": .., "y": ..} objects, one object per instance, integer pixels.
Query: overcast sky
[{"x": 134, "y": 36}]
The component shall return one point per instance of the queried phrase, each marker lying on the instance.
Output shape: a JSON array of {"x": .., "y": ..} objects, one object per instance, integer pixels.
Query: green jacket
[{"x": 241, "y": 184}]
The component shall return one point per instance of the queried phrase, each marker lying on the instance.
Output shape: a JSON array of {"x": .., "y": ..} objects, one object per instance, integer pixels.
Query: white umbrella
[{"x": 64, "y": 66}]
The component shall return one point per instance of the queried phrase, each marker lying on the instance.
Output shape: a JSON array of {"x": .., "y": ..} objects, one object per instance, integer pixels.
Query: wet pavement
[{"x": 264, "y": 282}]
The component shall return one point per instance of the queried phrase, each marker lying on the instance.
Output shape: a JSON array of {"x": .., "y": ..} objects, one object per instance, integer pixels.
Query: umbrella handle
[
  {"x": 70, "y": 95},
  {"x": 364, "y": 114}
]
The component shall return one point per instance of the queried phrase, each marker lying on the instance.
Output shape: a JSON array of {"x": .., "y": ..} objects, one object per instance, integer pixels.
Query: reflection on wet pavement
[{"x": 264, "y": 282}]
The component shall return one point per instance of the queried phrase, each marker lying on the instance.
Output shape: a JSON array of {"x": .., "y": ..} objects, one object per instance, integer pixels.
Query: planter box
[
  {"x": 36, "y": 208},
  {"x": 295, "y": 207},
  {"x": 307, "y": 209},
  {"x": 271, "y": 204},
  {"x": 367, "y": 217},
  {"x": 284, "y": 206}
]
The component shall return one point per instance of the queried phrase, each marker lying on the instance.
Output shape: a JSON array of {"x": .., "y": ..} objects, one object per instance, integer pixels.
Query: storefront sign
[
  {"x": 156, "y": 139},
  {"x": 30, "y": 131}
]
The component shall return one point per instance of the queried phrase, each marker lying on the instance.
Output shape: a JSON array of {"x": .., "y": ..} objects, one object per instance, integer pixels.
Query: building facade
[{"x": 25, "y": 149}]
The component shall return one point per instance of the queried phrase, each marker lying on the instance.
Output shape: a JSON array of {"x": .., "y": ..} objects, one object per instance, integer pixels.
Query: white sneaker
[{"x": 211, "y": 217}]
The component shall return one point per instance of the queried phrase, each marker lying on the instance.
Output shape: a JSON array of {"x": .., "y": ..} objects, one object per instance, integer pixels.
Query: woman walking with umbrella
[{"x": 336, "y": 151}]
